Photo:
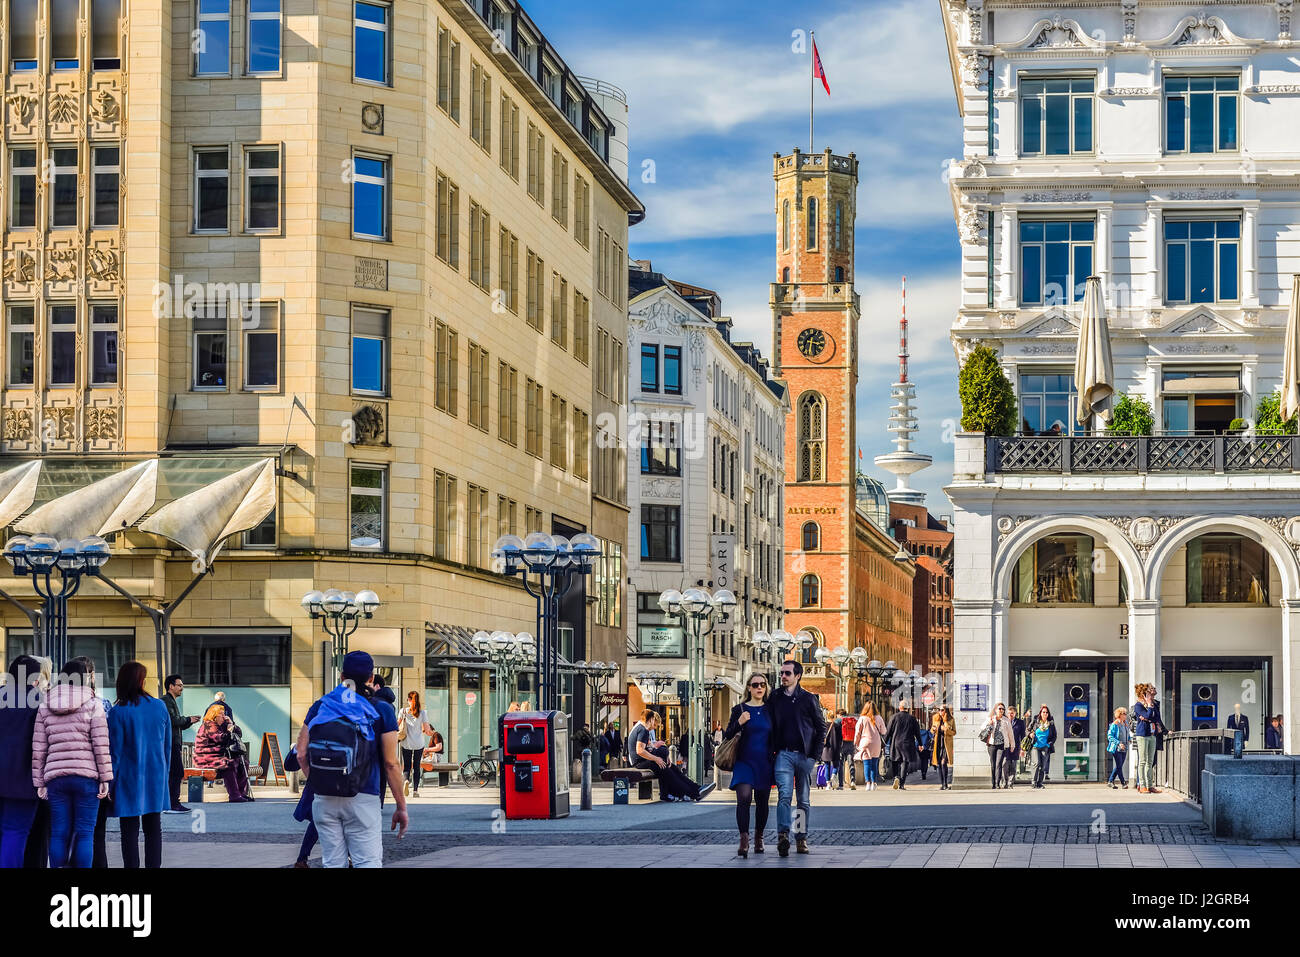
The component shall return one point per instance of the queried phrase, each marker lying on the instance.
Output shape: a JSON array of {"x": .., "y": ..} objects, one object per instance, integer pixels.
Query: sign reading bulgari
[{"x": 812, "y": 510}]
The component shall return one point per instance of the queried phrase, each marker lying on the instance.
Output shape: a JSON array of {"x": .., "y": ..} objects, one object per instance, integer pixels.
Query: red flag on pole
[{"x": 818, "y": 72}]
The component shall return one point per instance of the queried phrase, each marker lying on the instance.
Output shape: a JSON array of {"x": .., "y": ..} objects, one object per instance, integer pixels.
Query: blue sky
[{"x": 714, "y": 89}]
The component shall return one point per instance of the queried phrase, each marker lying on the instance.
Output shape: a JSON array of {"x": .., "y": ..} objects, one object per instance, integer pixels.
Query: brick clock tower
[{"x": 815, "y": 345}]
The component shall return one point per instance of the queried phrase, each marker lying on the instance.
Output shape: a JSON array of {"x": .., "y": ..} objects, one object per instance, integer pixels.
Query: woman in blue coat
[
  {"x": 751, "y": 776},
  {"x": 140, "y": 740}
]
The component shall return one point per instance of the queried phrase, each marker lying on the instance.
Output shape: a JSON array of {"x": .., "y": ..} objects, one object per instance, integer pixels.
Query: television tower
[{"x": 902, "y": 422}]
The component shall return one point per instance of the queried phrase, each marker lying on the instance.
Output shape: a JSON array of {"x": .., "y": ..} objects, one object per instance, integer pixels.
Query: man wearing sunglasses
[{"x": 798, "y": 729}]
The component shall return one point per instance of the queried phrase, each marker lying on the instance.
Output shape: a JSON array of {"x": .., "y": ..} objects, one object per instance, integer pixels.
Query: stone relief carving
[
  {"x": 974, "y": 169},
  {"x": 1143, "y": 531},
  {"x": 1201, "y": 348},
  {"x": 697, "y": 358},
  {"x": 975, "y": 70},
  {"x": 1130, "y": 11},
  {"x": 63, "y": 107},
  {"x": 372, "y": 117},
  {"x": 1058, "y": 33},
  {"x": 59, "y": 424},
  {"x": 23, "y": 106},
  {"x": 104, "y": 106},
  {"x": 1059, "y": 197},
  {"x": 1202, "y": 30},
  {"x": 60, "y": 265},
  {"x": 968, "y": 225},
  {"x": 18, "y": 425},
  {"x": 662, "y": 488},
  {"x": 1050, "y": 349},
  {"x": 1201, "y": 195},
  {"x": 1132, "y": 91},
  {"x": 662, "y": 316},
  {"x": 975, "y": 19},
  {"x": 102, "y": 264},
  {"x": 1291, "y": 531},
  {"x": 368, "y": 425},
  {"x": 1007, "y": 320},
  {"x": 1201, "y": 325},
  {"x": 101, "y": 423},
  {"x": 1283, "y": 19},
  {"x": 20, "y": 266}
]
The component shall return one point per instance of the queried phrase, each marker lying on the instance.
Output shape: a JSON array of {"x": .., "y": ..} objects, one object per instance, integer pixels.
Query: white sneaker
[
  {"x": 406, "y": 788},
  {"x": 415, "y": 793}
]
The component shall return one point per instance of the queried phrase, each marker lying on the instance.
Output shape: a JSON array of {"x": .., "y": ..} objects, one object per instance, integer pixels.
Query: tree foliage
[
  {"x": 1268, "y": 417},
  {"x": 1132, "y": 415},
  {"x": 988, "y": 403}
]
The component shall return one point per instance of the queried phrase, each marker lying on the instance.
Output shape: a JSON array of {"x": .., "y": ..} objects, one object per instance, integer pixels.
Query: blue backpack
[{"x": 341, "y": 746}]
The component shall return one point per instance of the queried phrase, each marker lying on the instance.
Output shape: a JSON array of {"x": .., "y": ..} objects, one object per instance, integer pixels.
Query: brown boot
[
  {"x": 783, "y": 844},
  {"x": 744, "y": 845},
  {"x": 758, "y": 843},
  {"x": 801, "y": 845}
]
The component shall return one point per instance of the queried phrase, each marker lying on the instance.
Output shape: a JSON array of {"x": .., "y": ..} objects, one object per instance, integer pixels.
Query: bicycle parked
[{"x": 480, "y": 770}]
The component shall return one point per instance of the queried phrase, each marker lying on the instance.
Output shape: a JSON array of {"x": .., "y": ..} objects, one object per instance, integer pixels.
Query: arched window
[
  {"x": 1227, "y": 569},
  {"x": 809, "y": 656},
  {"x": 1056, "y": 570},
  {"x": 839, "y": 226},
  {"x": 812, "y": 537},
  {"x": 785, "y": 225},
  {"x": 812, "y": 222},
  {"x": 785, "y": 274},
  {"x": 839, "y": 273},
  {"x": 810, "y": 591},
  {"x": 812, "y": 437}
]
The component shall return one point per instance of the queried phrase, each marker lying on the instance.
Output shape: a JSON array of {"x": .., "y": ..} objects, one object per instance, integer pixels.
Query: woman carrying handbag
[{"x": 752, "y": 760}]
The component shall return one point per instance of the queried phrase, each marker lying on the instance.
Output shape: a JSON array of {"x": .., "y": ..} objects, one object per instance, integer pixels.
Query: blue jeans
[
  {"x": 793, "y": 779},
  {"x": 871, "y": 769},
  {"x": 74, "y": 806},
  {"x": 1117, "y": 759},
  {"x": 16, "y": 817}
]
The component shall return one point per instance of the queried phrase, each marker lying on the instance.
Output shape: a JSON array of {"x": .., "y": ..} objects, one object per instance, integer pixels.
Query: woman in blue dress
[{"x": 751, "y": 778}]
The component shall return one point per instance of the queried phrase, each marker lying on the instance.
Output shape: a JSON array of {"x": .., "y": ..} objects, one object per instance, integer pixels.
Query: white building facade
[
  {"x": 1151, "y": 144},
  {"x": 705, "y": 478}
]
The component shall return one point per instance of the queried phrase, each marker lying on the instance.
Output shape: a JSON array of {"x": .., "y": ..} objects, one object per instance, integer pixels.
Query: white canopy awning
[
  {"x": 202, "y": 520},
  {"x": 18, "y": 490},
  {"x": 100, "y": 508}
]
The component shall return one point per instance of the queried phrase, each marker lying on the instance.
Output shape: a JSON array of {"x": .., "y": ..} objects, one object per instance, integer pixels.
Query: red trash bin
[{"x": 534, "y": 765}]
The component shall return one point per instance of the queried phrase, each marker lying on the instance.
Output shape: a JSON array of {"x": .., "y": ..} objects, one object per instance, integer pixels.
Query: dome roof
[{"x": 872, "y": 501}]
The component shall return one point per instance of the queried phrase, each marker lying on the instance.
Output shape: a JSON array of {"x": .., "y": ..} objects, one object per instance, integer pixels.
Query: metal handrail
[
  {"x": 603, "y": 88},
  {"x": 1139, "y": 454}
]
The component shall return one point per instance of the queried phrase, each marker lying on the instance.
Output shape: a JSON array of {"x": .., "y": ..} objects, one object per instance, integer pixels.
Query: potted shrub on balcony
[
  {"x": 988, "y": 403},
  {"x": 1132, "y": 415},
  {"x": 1238, "y": 426}
]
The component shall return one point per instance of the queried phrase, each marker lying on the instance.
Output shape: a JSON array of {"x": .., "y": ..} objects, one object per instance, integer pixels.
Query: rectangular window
[
  {"x": 367, "y": 506},
  {"x": 212, "y": 45},
  {"x": 262, "y": 188},
  {"x": 602, "y": 262},
  {"x": 105, "y": 176},
  {"x": 508, "y": 260},
  {"x": 559, "y": 189},
  {"x": 448, "y": 73},
  {"x": 551, "y": 80},
  {"x": 479, "y": 383},
  {"x": 22, "y": 345},
  {"x": 446, "y": 394},
  {"x": 536, "y": 290},
  {"x": 224, "y": 660},
  {"x": 559, "y": 311},
  {"x": 211, "y": 190},
  {"x": 533, "y": 418},
  {"x": 506, "y": 516},
  {"x": 581, "y": 327},
  {"x": 1201, "y": 260},
  {"x": 480, "y": 106},
  {"x": 370, "y": 197},
  {"x": 210, "y": 347},
  {"x": 22, "y": 35},
  {"x": 22, "y": 189},
  {"x": 581, "y": 444},
  {"x": 661, "y": 451},
  {"x": 1056, "y": 116},
  {"x": 63, "y": 190},
  {"x": 63, "y": 345},
  {"x": 582, "y": 211},
  {"x": 262, "y": 535},
  {"x": 444, "y": 516},
  {"x": 103, "y": 343},
  {"x": 650, "y": 368},
  {"x": 1046, "y": 402},
  {"x": 480, "y": 247},
  {"x": 507, "y": 403},
  {"x": 1201, "y": 113},
  {"x": 661, "y": 533},
  {"x": 1201, "y": 401},
  {"x": 370, "y": 338},
  {"x": 262, "y": 349},
  {"x": 263, "y": 36},
  {"x": 370, "y": 42},
  {"x": 559, "y": 432},
  {"x": 534, "y": 519},
  {"x": 536, "y": 157},
  {"x": 105, "y": 39},
  {"x": 448, "y": 222},
  {"x": 63, "y": 33},
  {"x": 510, "y": 137},
  {"x": 672, "y": 370},
  {"x": 618, "y": 276},
  {"x": 1055, "y": 260},
  {"x": 475, "y": 512}
]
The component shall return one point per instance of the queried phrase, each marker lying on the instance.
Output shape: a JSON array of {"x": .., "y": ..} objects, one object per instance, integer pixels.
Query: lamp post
[
  {"x": 839, "y": 663},
  {"x": 557, "y": 562},
  {"x": 341, "y": 613},
  {"x": 656, "y": 681},
  {"x": 597, "y": 675},
  {"x": 509, "y": 653},
  {"x": 782, "y": 643},
  {"x": 877, "y": 674},
  {"x": 703, "y": 611},
  {"x": 40, "y": 557},
  {"x": 909, "y": 680}
]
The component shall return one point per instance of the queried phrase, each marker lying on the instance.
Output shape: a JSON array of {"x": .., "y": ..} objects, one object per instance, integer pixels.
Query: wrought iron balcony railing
[{"x": 1139, "y": 455}]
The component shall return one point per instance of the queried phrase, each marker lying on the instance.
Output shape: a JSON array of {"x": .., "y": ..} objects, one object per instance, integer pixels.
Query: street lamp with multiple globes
[
  {"x": 839, "y": 663},
  {"x": 878, "y": 675},
  {"x": 909, "y": 680},
  {"x": 781, "y": 643},
  {"x": 557, "y": 562},
  {"x": 510, "y": 653},
  {"x": 656, "y": 682},
  {"x": 703, "y": 611},
  {"x": 598, "y": 675},
  {"x": 341, "y": 613},
  {"x": 40, "y": 557}
]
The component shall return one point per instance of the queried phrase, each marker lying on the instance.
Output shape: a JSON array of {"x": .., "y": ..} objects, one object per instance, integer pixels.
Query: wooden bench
[
  {"x": 444, "y": 772},
  {"x": 642, "y": 777}
]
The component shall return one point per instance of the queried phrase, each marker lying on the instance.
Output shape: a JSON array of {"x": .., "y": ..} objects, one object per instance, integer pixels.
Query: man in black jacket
[
  {"x": 798, "y": 730},
  {"x": 175, "y": 686},
  {"x": 903, "y": 738}
]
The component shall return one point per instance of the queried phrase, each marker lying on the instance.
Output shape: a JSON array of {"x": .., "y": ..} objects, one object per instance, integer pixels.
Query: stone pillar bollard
[{"x": 586, "y": 779}]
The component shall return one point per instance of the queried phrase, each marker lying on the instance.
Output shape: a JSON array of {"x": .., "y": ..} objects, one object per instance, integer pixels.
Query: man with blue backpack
[{"x": 347, "y": 742}]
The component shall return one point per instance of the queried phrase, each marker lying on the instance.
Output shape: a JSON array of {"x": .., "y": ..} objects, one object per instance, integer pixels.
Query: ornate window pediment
[
  {"x": 1202, "y": 31},
  {"x": 1053, "y": 322},
  {"x": 1057, "y": 33},
  {"x": 1203, "y": 321}
]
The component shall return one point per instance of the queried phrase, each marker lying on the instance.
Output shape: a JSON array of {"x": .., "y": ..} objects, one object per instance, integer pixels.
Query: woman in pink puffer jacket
[{"x": 71, "y": 765}]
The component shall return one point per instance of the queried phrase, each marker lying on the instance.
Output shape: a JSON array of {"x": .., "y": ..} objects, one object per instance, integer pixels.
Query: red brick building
[
  {"x": 841, "y": 581},
  {"x": 929, "y": 541}
]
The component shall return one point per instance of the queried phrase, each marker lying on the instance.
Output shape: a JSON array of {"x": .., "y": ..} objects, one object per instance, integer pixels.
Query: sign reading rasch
[{"x": 722, "y": 560}]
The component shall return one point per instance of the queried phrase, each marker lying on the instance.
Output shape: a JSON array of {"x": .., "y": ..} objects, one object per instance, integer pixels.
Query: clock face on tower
[{"x": 815, "y": 345}]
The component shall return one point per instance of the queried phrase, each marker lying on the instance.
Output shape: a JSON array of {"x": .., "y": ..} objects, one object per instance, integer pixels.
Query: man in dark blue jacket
[
  {"x": 19, "y": 699},
  {"x": 798, "y": 730}
]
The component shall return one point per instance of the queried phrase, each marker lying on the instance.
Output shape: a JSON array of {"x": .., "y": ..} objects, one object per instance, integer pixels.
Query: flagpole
[{"x": 812, "y": 70}]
